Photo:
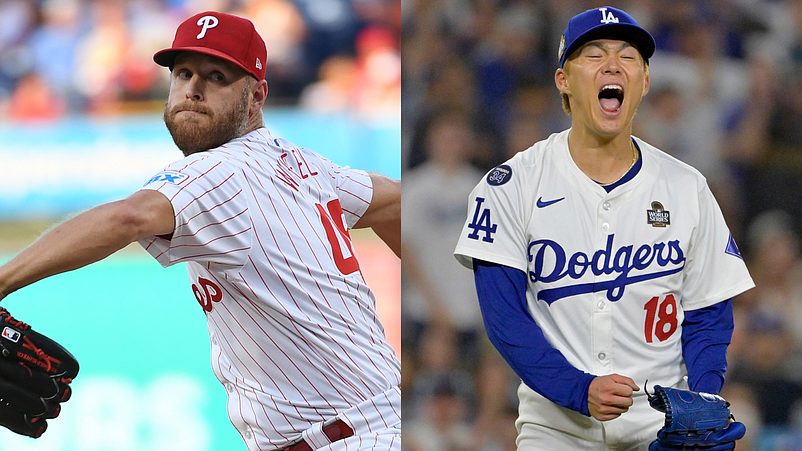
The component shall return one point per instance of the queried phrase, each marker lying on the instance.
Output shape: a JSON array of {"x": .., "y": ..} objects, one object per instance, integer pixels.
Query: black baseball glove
[
  {"x": 694, "y": 421},
  {"x": 35, "y": 376}
]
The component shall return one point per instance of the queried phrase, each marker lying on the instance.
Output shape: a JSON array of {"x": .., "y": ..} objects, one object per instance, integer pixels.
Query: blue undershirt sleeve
[
  {"x": 519, "y": 339},
  {"x": 706, "y": 333}
]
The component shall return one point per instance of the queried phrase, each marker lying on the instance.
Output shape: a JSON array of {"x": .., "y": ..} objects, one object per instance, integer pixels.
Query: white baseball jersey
[
  {"x": 295, "y": 340},
  {"x": 610, "y": 274}
]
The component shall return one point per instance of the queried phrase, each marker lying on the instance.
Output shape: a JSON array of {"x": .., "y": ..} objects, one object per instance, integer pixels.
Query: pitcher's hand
[{"x": 610, "y": 396}]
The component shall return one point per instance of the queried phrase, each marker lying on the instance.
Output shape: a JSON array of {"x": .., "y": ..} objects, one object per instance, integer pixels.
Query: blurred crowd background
[
  {"x": 478, "y": 86},
  {"x": 62, "y": 57}
]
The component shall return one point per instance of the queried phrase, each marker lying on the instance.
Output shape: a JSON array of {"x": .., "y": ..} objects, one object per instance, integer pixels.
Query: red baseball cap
[{"x": 225, "y": 36}]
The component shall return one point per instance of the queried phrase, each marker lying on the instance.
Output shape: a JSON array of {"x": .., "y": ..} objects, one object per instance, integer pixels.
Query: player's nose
[
  {"x": 194, "y": 88},
  {"x": 611, "y": 65}
]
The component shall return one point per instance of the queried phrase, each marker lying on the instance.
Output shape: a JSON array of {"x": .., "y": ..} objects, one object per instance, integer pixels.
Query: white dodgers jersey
[
  {"x": 610, "y": 274},
  {"x": 295, "y": 340}
]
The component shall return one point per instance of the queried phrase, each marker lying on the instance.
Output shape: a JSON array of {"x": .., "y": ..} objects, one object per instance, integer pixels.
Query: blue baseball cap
[{"x": 606, "y": 22}]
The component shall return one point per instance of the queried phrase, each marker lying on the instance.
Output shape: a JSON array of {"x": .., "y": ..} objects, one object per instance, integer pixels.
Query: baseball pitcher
[
  {"x": 601, "y": 262},
  {"x": 262, "y": 226}
]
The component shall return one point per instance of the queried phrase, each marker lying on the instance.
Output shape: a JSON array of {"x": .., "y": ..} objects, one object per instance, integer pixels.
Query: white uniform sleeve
[
  {"x": 715, "y": 270},
  {"x": 354, "y": 187},
  {"x": 495, "y": 228},
  {"x": 211, "y": 214}
]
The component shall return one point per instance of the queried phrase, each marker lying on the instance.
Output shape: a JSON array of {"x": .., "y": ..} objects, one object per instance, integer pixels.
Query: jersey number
[
  {"x": 666, "y": 313},
  {"x": 337, "y": 236}
]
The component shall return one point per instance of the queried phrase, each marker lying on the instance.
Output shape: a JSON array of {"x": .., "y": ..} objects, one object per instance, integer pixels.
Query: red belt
[{"x": 335, "y": 431}]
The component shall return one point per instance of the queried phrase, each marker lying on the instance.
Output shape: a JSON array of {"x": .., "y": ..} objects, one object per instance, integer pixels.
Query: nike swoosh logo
[{"x": 541, "y": 203}]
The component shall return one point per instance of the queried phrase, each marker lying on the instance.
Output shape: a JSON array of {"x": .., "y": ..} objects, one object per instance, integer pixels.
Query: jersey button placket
[
  {"x": 602, "y": 324},
  {"x": 601, "y": 334},
  {"x": 605, "y": 217}
]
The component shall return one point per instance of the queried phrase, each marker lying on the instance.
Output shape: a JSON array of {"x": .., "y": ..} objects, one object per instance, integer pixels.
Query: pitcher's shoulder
[{"x": 671, "y": 166}]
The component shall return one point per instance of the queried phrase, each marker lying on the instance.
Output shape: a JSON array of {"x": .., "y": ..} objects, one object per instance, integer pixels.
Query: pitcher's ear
[{"x": 561, "y": 80}]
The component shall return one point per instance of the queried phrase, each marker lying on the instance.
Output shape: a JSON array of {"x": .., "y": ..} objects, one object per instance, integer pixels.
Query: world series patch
[
  {"x": 499, "y": 175},
  {"x": 658, "y": 216}
]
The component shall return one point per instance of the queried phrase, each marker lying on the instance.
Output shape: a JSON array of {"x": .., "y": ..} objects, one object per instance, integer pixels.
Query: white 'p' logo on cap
[{"x": 206, "y": 22}]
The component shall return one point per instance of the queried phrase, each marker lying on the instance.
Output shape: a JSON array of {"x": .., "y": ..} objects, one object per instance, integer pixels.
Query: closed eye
[{"x": 629, "y": 54}]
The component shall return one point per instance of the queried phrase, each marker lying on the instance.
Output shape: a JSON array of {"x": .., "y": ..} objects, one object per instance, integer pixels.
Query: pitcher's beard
[{"x": 192, "y": 137}]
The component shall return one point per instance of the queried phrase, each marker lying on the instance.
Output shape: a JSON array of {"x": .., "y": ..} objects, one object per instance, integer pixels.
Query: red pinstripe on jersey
[{"x": 294, "y": 340}]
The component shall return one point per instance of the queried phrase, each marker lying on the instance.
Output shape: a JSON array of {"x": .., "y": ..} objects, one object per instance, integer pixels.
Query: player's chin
[
  {"x": 183, "y": 124},
  {"x": 611, "y": 127},
  {"x": 613, "y": 122}
]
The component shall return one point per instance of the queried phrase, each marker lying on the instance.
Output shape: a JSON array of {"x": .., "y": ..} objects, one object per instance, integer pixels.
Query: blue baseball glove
[{"x": 694, "y": 421}]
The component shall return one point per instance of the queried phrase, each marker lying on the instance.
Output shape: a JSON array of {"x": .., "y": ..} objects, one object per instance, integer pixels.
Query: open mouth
[{"x": 611, "y": 97}]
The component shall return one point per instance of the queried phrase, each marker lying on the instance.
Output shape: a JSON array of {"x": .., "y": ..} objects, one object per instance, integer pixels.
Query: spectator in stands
[
  {"x": 436, "y": 288},
  {"x": 96, "y": 54},
  {"x": 333, "y": 92}
]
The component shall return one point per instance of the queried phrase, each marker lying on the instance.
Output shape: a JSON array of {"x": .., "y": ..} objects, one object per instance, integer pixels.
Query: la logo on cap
[
  {"x": 606, "y": 17},
  {"x": 209, "y": 22}
]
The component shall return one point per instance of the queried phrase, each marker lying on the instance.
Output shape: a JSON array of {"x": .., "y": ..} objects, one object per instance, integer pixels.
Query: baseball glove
[
  {"x": 35, "y": 376},
  {"x": 694, "y": 421}
]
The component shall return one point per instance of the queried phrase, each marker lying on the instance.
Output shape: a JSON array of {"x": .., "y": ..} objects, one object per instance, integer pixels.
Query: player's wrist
[
  {"x": 710, "y": 382},
  {"x": 5, "y": 289},
  {"x": 6, "y": 273}
]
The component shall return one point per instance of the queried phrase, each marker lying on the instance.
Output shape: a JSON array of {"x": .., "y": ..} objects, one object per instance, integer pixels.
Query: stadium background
[
  {"x": 725, "y": 97},
  {"x": 80, "y": 124}
]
